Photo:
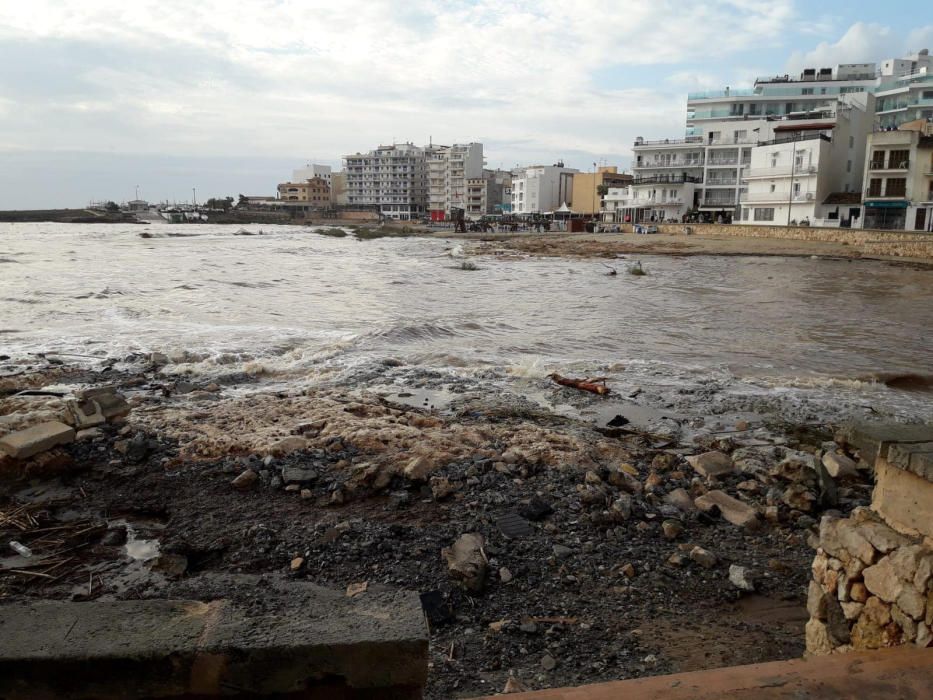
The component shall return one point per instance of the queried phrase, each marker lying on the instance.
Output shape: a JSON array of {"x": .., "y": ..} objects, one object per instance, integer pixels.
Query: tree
[
  {"x": 217, "y": 203},
  {"x": 112, "y": 206},
  {"x": 602, "y": 190}
]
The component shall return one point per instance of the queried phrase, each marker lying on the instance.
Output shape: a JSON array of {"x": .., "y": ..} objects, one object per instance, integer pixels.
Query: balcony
[
  {"x": 777, "y": 197},
  {"x": 722, "y": 182},
  {"x": 778, "y": 171},
  {"x": 666, "y": 180},
  {"x": 722, "y": 162},
  {"x": 690, "y": 140},
  {"x": 891, "y": 165}
]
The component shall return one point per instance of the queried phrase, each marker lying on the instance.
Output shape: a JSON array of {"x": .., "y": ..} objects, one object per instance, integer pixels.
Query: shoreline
[{"x": 613, "y": 568}]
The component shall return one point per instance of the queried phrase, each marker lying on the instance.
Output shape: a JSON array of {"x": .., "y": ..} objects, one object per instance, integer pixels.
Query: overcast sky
[{"x": 99, "y": 96}]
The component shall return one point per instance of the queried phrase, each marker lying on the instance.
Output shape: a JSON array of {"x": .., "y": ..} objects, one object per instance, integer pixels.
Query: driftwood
[{"x": 595, "y": 386}]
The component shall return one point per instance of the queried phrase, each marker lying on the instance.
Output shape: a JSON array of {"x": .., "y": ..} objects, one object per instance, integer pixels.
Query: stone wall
[
  {"x": 914, "y": 244},
  {"x": 872, "y": 584}
]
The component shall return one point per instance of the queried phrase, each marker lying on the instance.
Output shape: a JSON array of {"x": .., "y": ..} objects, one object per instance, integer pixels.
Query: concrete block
[
  {"x": 711, "y": 464},
  {"x": 873, "y": 440},
  {"x": 916, "y": 458},
  {"x": 38, "y": 438},
  {"x": 300, "y": 639},
  {"x": 903, "y": 499},
  {"x": 86, "y": 414},
  {"x": 732, "y": 509},
  {"x": 113, "y": 405}
]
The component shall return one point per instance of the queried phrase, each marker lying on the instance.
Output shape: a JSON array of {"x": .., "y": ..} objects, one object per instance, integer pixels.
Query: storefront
[{"x": 889, "y": 215}]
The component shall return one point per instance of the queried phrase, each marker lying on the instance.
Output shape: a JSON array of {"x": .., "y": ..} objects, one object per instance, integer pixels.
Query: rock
[
  {"x": 621, "y": 508},
  {"x": 877, "y": 611},
  {"x": 905, "y": 622},
  {"x": 296, "y": 563},
  {"x": 536, "y": 509},
  {"x": 137, "y": 449},
  {"x": 911, "y": 602},
  {"x": 740, "y": 577},
  {"x": 298, "y": 475},
  {"x": 562, "y": 552},
  {"x": 113, "y": 405},
  {"x": 703, "y": 557},
  {"x": 924, "y": 636},
  {"x": 799, "y": 497},
  {"x": 513, "y": 685},
  {"x": 172, "y": 565},
  {"x": 677, "y": 560},
  {"x": 882, "y": 580},
  {"x": 22, "y": 444},
  {"x": 837, "y": 626},
  {"x": 86, "y": 414},
  {"x": 852, "y": 610},
  {"x": 817, "y": 638},
  {"x": 418, "y": 468},
  {"x": 246, "y": 480},
  {"x": 733, "y": 510},
  {"x": 816, "y": 600},
  {"x": 880, "y": 536},
  {"x": 672, "y": 529},
  {"x": 528, "y": 627},
  {"x": 306, "y": 494},
  {"x": 628, "y": 570},
  {"x": 158, "y": 359},
  {"x": 441, "y": 487},
  {"x": 548, "y": 662},
  {"x": 680, "y": 499},
  {"x": 653, "y": 481},
  {"x": 114, "y": 537},
  {"x": 505, "y": 575},
  {"x": 622, "y": 479},
  {"x": 841, "y": 539},
  {"x": 466, "y": 561},
  {"x": 288, "y": 445},
  {"x": 711, "y": 464},
  {"x": 906, "y": 560},
  {"x": 839, "y": 466},
  {"x": 858, "y": 593},
  {"x": 88, "y": 434}
]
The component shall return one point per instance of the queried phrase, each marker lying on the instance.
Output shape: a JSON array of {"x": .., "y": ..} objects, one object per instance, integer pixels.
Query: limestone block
[
  {"x": 733, "y": 510},
  {"x": 903, "y": 499},
  {"x": 882, "y": 580},
  {"x": 39, "y": 438},
  {"x": 817, "y": 638}
]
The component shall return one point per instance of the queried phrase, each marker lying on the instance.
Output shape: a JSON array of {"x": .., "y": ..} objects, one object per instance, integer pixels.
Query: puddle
[
  {"x": 140, "y": 545},
  {"x": 428, "y": 399}
]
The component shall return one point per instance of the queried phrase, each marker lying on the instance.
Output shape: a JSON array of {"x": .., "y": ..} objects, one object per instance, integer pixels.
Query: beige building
[
  {"x": 898, "y": 179},
  {"x": 338, "y": 189},
  {"x": 314, "y": 191},
  {"x": 586, "y": 197}
]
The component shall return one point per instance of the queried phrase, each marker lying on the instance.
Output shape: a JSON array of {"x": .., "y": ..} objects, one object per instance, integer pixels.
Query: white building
[
  {"x": 905, "y": 90},
  {"x": 392, "y": 178},
  {"x": 311, "y": 171},
  {"x": 541, "y": 188},
  {"x": 810, "y": 171},
  {"x": 449, "y": 168}
]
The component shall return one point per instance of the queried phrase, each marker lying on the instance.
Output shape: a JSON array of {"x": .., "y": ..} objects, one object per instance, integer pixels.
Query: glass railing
[{"x": 712, "y": 94}]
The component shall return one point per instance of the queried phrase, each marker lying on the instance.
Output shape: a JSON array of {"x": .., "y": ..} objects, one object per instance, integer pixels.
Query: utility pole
[{"x": 194, "y": 196}]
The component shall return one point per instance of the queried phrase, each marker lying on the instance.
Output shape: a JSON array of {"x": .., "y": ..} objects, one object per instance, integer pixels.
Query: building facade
[
  {"x": 905, "y": 90},
  {"x": 587, "y": 196},
  {"x": 313, "y": 170},
  {"x": 449, "y": 168},
  {"x": 898, "y": 178},
  {"x": 392, "y": 179},
  {"x": 314, "y": 191},
  {"x": 539, "y": 189}
]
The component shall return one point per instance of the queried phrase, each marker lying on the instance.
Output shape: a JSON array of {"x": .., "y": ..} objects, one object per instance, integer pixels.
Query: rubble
[
  {"x": 711, "y": 464},
  {"x": 39, "y": 438},
  {"x": 466, "y": 561}
]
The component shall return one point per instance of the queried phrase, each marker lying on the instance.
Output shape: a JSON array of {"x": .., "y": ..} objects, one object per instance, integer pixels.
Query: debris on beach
[{"x": 594, "y": 386}]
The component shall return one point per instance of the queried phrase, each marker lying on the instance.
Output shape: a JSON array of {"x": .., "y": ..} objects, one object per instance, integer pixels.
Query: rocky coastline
[{"x": 547, "y": 550}]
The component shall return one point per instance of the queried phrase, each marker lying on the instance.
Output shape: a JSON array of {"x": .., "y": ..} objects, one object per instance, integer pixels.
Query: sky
[{"x": 99, "y": 97}]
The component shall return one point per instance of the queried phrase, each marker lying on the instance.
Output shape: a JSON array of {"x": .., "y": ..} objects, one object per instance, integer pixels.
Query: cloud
[{"x": 862, "y": 43}]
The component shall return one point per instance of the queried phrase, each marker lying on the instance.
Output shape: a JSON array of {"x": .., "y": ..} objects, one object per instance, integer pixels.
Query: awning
[{"x": 887, "y": 205}]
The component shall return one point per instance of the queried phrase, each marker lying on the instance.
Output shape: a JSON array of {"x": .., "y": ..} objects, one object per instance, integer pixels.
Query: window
[
  {"x": 806, "y": 91},
  {"x": 774, "y": 160},
  {"x": 848, "y": 166},
  {"x": 877, "y": 160},
  {"x": 772, "y": 187},
  {"x": 898, "y": 159},
  {"x": 874, "y": 187},
  {"x": 764, "y": 213},
  {"x": 896, "y": 187},
  {"x": 928, "y": 94},
  {"x": 851, "y": 142},
  {"x": 745, "y": 214},
  {"x": 740, "y": 135},
  {"x": 796, "y": 189}
]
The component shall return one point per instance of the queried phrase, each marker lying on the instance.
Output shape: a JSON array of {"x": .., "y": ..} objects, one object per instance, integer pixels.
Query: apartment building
[
  {"x": 392, "y": 179},
  {"x": 313, "y": 170},
  {"x": 588, "y": 188},
  {"x": 541, "y": 188},
  {"x": 449, "y": 168},
  {"x": 810, "y": 171},
  {"x": 905, "y": 90},
  {"x": 898, "y": 178},
  {"x": 315, "y": 191}
]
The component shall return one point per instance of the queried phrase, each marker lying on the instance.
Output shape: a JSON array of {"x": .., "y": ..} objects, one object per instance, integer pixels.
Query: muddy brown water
[{"x": 295, "y": 306}]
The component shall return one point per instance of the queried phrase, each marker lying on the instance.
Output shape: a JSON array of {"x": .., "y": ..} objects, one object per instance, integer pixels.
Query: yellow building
[
  {"x": 585, "y": 195},
  {"x": 314, "y": 191}
]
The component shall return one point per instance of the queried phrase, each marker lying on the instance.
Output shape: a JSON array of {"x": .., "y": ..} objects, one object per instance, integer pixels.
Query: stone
[
  {"x": 88, "y": 434},
  {"x": 817, "y": 638},
  {"x": 288, "y": 445},
  {"x": 915, "y": 458},
  {"x": 733, "y": 510},
  {"x": 680, "y": 499},
  {"x": 905, "y": 622},
  {"x": 505, "y": 575},
  {"x": 672, "y": 529},
  {"x": 628, "y": 570},
  {"x": 536, "y": 509},
  {"x": 852, "y": 610},
  {"x": 903, "y": 499},
  {"x": 441, "y": 487},
  {"x": 839, "y": 466},
  {"x": 877, "y": 611},
  {"x": 906, "y": 560},
  {"x": 841, "y": 539},
  {"x": 677, "y": 560},
  {"x": 113, "y": 405},
  {"x": 740, "y": 577},
  {"x": 158, "y": 358},
  {"x": 466, "y": 561},
  {"x": 703, "y": 557},
  {"x": 880, "y": 536},
  {"x": 23, "y": 444},
  {"x": 296, "y": 563},
  {"x": 418, "y": 468},
  {"x": 816, "y": 600},
  {"x": 548, "y": 662},
  {"x": 86, "y": 414},
  {"x": 837, "y": 625},
  {"x": 246, "y": 480},
  {"x": 376, "y": 645},
  {"x": 621, "y": 508},
  {"x": 858, "y": 592},
  {"x": 873, "y": 440},
  {"x": 298, "y": 475},
  {"x": 883, "y": 581},
  {"x": 911, "y": 602},
  {"x": 924, "y": 636},
  {"x": 306, "y": 494},
  {"x": 561, "y": 551},
  {"x": 798, "y": 497},
  {"x": 711, "y": 464},
  {"x": 924, "y": 573}
]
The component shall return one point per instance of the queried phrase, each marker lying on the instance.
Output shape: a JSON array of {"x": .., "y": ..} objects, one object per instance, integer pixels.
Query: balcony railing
[
  {"x": 670, "y": 142},
  {"x": 776, "y": 197},
  {"x": 891, "y": 165},
  {"x": 666, "y": 180},
  {"x": 721, "y": 182},
  {"x": 723, "y": 161}
]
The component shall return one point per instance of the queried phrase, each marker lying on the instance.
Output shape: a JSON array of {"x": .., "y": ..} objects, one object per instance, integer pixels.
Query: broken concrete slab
[
  {"x": 839, "y": 466},
  {"x": 86, "y": 414},
  {"x": 39, "y": 438},
  {"x": 304, "y": 638},
  {"x": 903, "y": 499},
  {"x": 916, "y": 458},
  {"x": 873, "y": 440},
  {"x": 733, "y": 510},
  {"x": 112, "y": 405},
  {"x": 711, "y": 464}
]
